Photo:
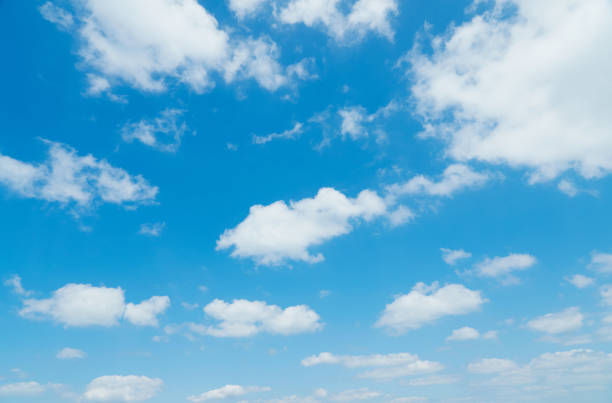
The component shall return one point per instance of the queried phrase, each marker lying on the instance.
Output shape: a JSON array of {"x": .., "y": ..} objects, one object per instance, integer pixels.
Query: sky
[{"x": 305, "y": 201}]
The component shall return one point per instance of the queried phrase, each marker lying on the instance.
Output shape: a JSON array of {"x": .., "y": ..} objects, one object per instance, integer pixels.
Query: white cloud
[
  {"x": 355, "y": 395},
  {"x": 567, "y": 187},
  {"x": 356, "y": 361},
  {"x": 278, "y": 232},
  {"x": 117, "y": 388},
  {"x": 56, "y": 15},
  {"x": 503, "y": 266},
  {"x": 601, "y": 262},
  {"x": 79, "y": 305},
  {"x": 606, "y": 294},
  {"x": 560, "y": 322},
  {"x": 22, "y": 389},
  {"x": 227, "y": 391},
  {"x": 152, "y": 229},
  {"x": 15, "y": 283},
  {"x": 503, "y": 110},
  {"x": 243, "y": 318},
  {"x": 145, "y": 313},
  {"x": 287, "y": 134},
  {"x": 464, "y": 333},
  {"x": 365, "y": 16},
  {"x": 245, "y": 8},
  {"x": 433, "y": 380},
  {"x": 164, "y": 133},
  {"x": 425, "y": 304},
  {"x": 67, "y": 178},
  {"x": 68, "y": 353},
  {"x": 455, "y": 178},
  {"x": 491, "y": 366},
  {"x": 580, "y": 281},
  {"x": 451, "y": 256},
  {"x": 148, "y": 43},
  {"x": 401, "y": 215}
]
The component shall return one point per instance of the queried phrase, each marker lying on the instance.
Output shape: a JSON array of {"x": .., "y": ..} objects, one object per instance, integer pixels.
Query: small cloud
[
  {"x": 567, "y": 187},
  {"x": 203, "y": 288},
  {"x": 231, "y": 146},
  {"x": 324, "y": 293},
  {"x": 15, "y": 283},
  {"x": 451, "y": 256},
  {"x": 70, "y": 354},
  {"x": 580, "y": 281},
  {"x": 152, "y": 229}
]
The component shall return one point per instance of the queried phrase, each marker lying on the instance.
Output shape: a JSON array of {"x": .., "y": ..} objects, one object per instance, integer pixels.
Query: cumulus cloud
[
  {"x": 503, "y": 267},
  {"x": 560, "y": 322},
  {"x": 538, "y": 122},
  {"x": 145, "y": 313},
  {"x": 22, "y": 389},
  {"x": 491, "y": 366},
  {"x": 126, "y": 388},
  {"x": 70, "y": 179},
  {"x": 355, "y": 395},
  {"x": 273, "y": 234},
  {"x": 455, "y": 178},
  {"x": 244, "y": 8},
  {"x": 451, "y": 257},
  {"x": 243, "y": 318},
  {"x": 356, "y": 361},
  {"x": 226, "y": 392},
  {"x": 68, "y": 353},
  {"x": 57, "y": 15},
  {"x": 426, "y": 304},
  {"x": 80, "y": 305},
  {"x": 580, "y": 281},
  {"x": 163, "y": 133},
  {"x": 601, "y": 262},
  {"x": 148, "y": 44},
  {"x": 15, "y": 284},
  {"x": 469, "y": 333},
  {"x": 364, "y": 16}
]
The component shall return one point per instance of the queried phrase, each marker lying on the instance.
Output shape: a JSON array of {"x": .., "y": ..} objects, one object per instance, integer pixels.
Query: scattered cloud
[
  {"x": 554, "y": 323},
  {"x": 80, "y": 305},
  {"x": 426, "y": 304},
  {"x": 601, "y": 262},
  {"x": 70, "y": 179},
  {"x": 355, "y": 395},
  {"x": 364, "y": 16},
  {"x": 117, "y": 388},
  {"x": 580, "y": 281},
  {"x": 451, "y": 257},
  {"x": 22, "y": 389},
  {"x": 469, "y": 333},
  {"x": 15, "y": 284},
  {"x": 163, "y": 133},
  {"x": 278, "y": 232},
  {"x": 503, "y": 267},
  {"x": 292, "y": 133},
  {"x": 567, "y": 187},
  {"x": 606, "y": 294},
  {"x": 491, "y": 366},
  {"x": 68, "y": 353},
  {"x": 56, "y": 15},
  {"x": 537, "y": 124},
  {"x": 226, "y": 392},
  {"x": 152, "y": 229},
  {"x": 245, "y": 8}
]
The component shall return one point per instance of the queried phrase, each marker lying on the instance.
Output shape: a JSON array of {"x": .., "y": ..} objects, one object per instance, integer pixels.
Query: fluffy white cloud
[
  {"x": 243, "y": 318},
  {"x": 601, "y": 262},
  {"x": 163, "y": 133},
  {"x": 503, "y": 266},
  {"x": 244, "y": 8},
  {"x": 68, "y": 178},
  {"x": 491, "y": 366},
  {"x": 606, "y": 294},
  {"x": 152, "y": 229},
  {"x": 227, "y": 391},
  {"x": 118, "y": 388},
  {"x": 364, "y": 16},
  {"x": 451, "y": 256},
  {"x": 580, "y": 281},
  {"x": 514, "y": 95},
  {"x": 145, "y": 313},
  {"x": 148, "y": 43},
  {"x": 56, "y": 15},
  {"x": 68, "y": 353},
  {"x": 15, "y": 283},
  {"x": 425, "y": 304},
  {"x": 79, "y": 305},
  {"x": 455, "y": 178},
  {"x": 469, "y": 333},
  {"x": 278, "y": 232},
  {"x": 560, "y": 322}
]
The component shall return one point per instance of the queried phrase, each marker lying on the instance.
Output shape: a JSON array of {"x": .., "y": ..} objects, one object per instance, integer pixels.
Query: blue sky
[{"x": 305, "y": 201}]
